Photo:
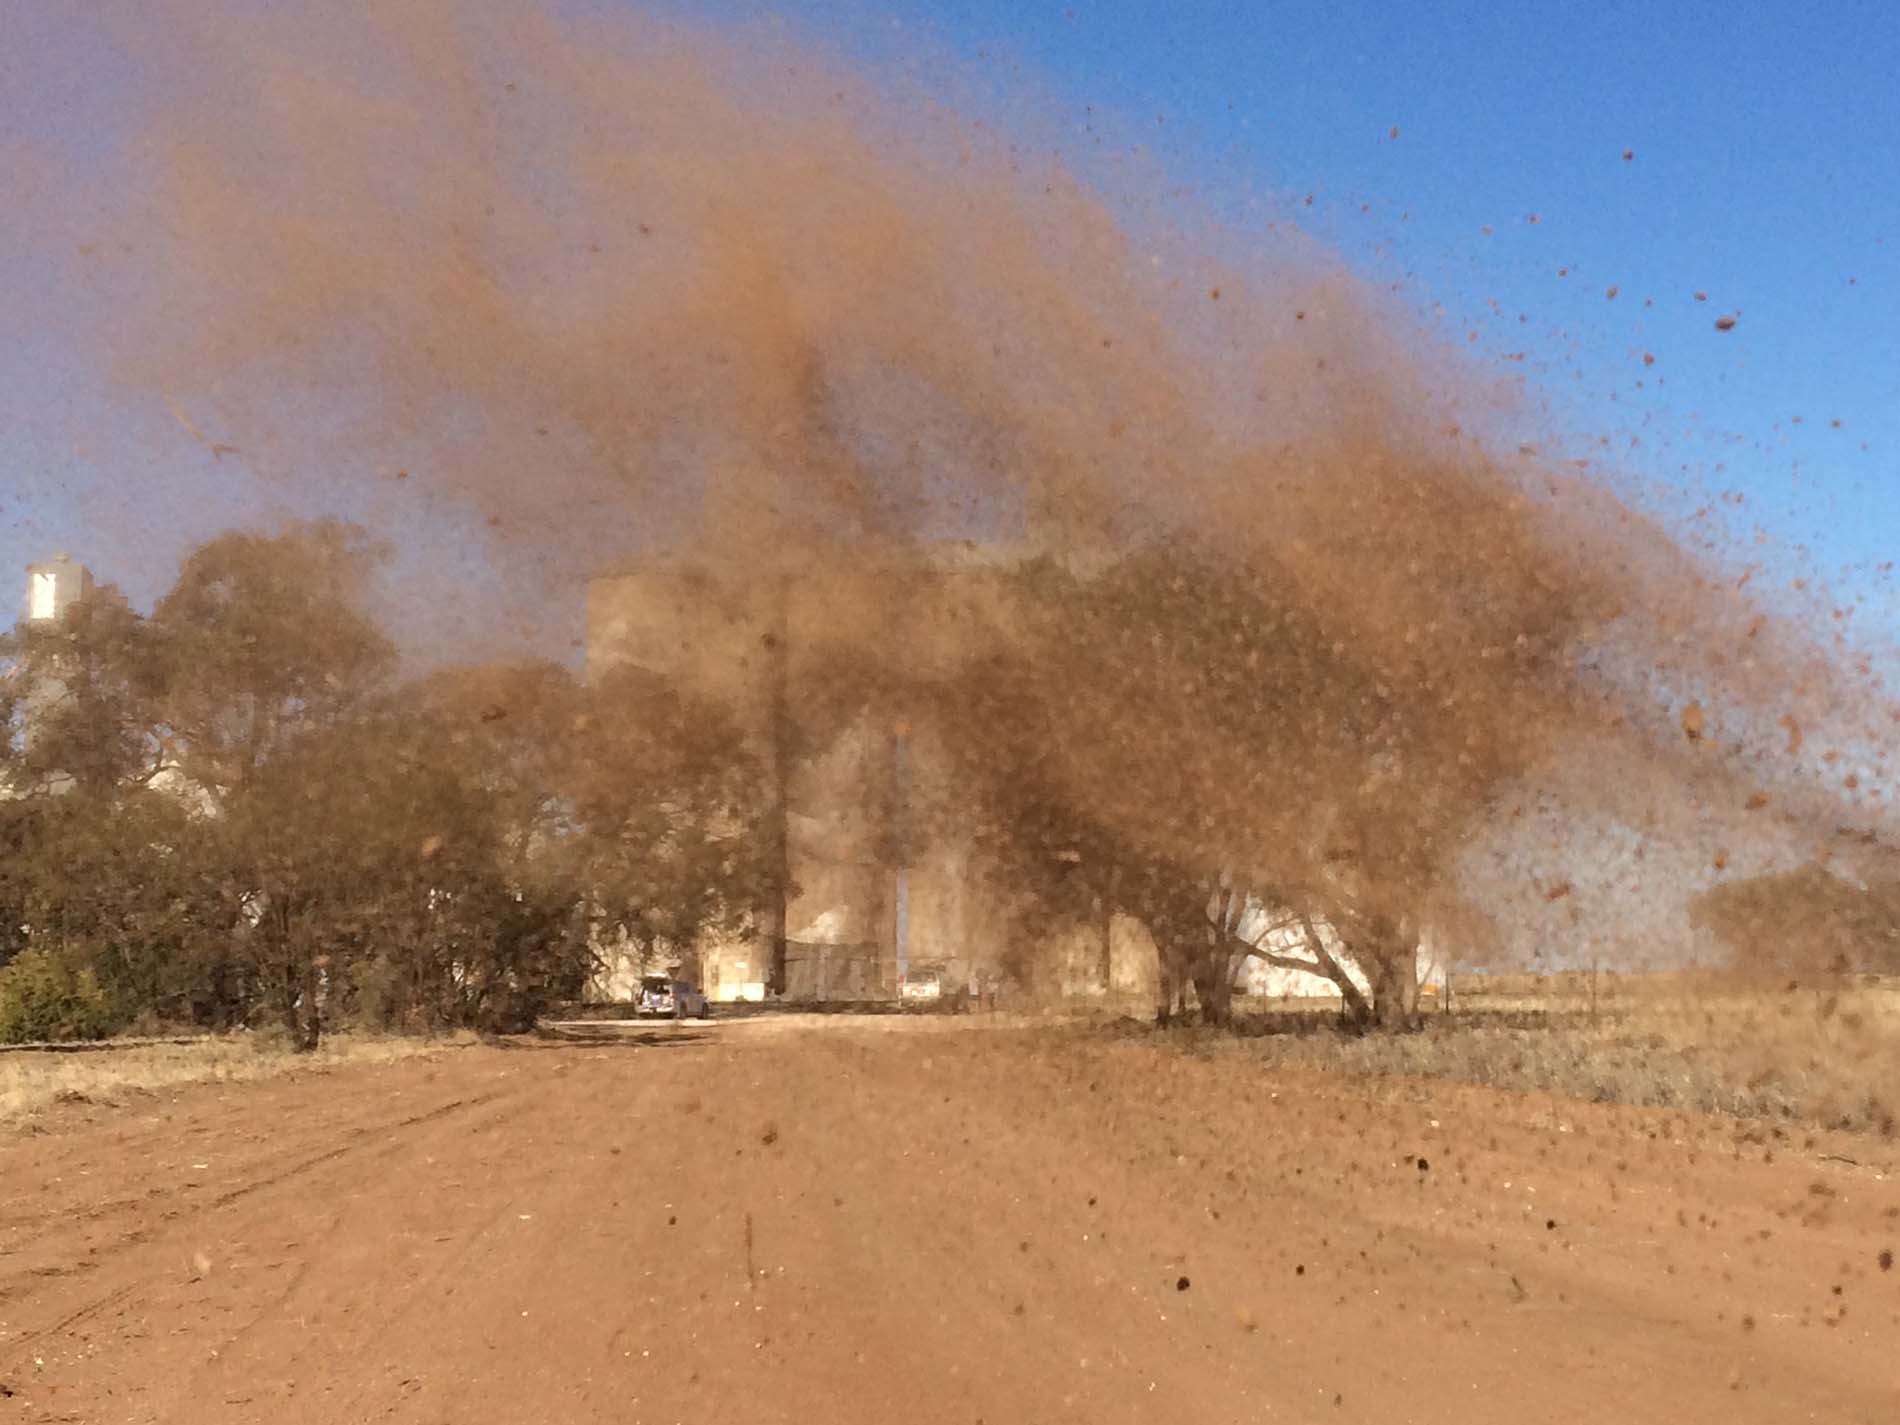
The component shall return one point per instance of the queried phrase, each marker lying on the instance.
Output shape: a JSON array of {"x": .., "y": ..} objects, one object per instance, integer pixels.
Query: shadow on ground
[{"x": 611, "y": 1035}]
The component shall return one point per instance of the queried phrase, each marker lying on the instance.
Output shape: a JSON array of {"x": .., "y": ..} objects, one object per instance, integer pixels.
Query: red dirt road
[{"x": 780, "y": 1222}]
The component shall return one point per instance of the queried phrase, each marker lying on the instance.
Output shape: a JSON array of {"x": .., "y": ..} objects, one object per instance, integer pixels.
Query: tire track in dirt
[
  {"x": 169, "y": 1214},
  {"x": 152, "y": 1257}
]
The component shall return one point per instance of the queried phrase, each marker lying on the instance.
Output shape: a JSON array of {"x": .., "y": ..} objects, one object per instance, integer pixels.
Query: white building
[{"x": 55, "y": 586}]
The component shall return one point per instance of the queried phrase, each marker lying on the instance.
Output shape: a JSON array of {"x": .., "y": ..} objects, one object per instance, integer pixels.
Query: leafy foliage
[
  {"x": 246, "y": 815},
  {"x": 80, "y": 709},
  {"x": 44, "y": 998}
]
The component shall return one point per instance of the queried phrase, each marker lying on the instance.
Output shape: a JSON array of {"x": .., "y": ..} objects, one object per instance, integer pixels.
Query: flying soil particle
[
  {"x": 1423, "y": 1166},
  {"x": 769, "y": 1134},
  {"x": 1181, "y": 1283},
  {"x": 1885, "y": 1259}
]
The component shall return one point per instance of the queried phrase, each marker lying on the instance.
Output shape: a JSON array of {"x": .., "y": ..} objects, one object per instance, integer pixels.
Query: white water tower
[{"x": 54, "y": 586}]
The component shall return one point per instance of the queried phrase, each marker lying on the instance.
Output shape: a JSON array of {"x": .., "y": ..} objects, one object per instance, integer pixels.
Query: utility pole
[
  {"x": 900, "y": 847},
  {"x": 779, "y": 850}
]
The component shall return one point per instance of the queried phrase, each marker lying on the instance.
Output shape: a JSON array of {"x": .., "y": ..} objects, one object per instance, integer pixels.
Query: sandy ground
[{"x": 924, "y": 1222}]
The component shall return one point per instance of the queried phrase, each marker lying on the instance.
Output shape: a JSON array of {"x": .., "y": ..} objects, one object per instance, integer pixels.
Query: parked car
[
  {"x": 921, "y": 987},
  {"x": 665, "y": 995}
]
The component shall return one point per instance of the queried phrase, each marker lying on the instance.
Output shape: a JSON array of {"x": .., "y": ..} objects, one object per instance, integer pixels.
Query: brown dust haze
[{"x": 636, "y": 290}]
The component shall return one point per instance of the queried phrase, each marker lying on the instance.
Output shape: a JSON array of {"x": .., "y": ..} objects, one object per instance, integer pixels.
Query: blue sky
[{"x": 1765, "y": 173}]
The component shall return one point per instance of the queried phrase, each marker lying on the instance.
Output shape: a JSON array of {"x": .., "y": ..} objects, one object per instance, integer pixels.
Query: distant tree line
[
  {"x": 233, "y": 811},
  {"x": 1805, "y": 923}
]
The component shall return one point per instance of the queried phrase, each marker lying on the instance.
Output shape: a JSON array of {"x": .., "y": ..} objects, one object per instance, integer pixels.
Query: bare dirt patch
[{"x": 725, "y": 1224}]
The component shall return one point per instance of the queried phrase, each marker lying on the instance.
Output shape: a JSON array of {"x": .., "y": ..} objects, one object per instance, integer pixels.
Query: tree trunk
[
  {"x": 778, "y": 814},
  {"x": 287, "y": 1003},
  {"x": 312, "y": 1029},
  {"x": 1354, "y": 1007},
  {"x": 1176, "y": 972},
  {"x": 1391, "y": 966},
  {"x": 1214, "y": 987}
]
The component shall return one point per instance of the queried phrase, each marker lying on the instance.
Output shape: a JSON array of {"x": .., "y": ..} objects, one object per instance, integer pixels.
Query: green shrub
[{"x": 44, "y": 998}]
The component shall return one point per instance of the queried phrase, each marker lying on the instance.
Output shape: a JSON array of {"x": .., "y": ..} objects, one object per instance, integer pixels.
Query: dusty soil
[{"x": 923, "y": 1222}]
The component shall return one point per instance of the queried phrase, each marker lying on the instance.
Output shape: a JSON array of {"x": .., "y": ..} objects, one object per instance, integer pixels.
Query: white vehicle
[
  {"x": 923, "y": 987},
  {"x": 664, "y": 995}
]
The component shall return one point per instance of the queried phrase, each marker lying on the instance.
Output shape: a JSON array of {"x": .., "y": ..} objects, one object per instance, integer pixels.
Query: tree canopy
[{"x": 235, "y": 810}]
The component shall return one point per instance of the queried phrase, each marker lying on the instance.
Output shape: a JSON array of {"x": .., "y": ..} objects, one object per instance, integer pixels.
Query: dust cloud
[{"x": 642, "y": 292}]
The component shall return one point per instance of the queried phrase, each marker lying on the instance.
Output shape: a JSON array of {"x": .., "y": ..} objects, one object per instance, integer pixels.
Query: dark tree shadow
[{"x": 613, "y": 1034}]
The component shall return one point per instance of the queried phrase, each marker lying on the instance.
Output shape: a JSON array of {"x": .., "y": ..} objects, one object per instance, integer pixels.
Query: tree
[
  {"x": 234, "y": 806},
  {"x": 1177, "y": 739},
  {"x": 525, "y": 819},
  {"x": 46, "y": 998},
  {"x": 487, "y": 922},
  {"x": 122, "y": 888},
  {"x": 263, "y": 638},
  {"x": 665, "y": 817},
  {"x": 101, "y": 873},
  {"x": 266, "y": 662},
  {"x": 80, "y": 707},
  {"x": 1807, "y": 921}
]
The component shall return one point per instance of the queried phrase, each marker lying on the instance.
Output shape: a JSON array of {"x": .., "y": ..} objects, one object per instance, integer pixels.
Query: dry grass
[
  {"x": 30, "y": 1081},
  {"x": 1815, "y": 1058}
]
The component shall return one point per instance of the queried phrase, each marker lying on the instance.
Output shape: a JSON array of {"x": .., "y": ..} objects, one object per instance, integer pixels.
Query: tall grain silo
[{"x": 794, "y": 648}]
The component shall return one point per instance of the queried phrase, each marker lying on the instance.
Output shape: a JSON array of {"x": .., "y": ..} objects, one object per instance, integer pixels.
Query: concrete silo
[{"x": 796, "y": 649}]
